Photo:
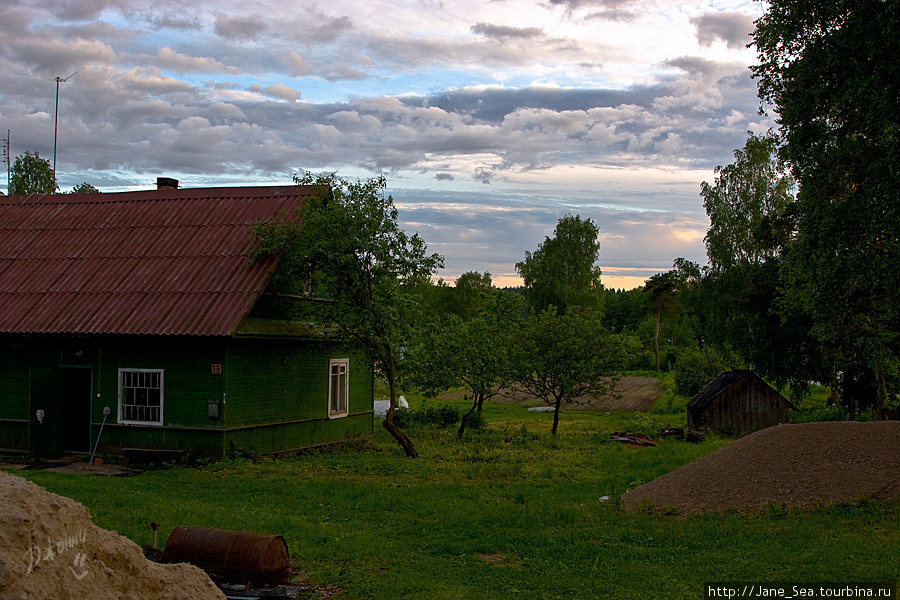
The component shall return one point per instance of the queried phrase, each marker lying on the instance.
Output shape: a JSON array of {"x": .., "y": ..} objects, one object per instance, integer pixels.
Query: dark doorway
[
  {"x": 45, "y": 395},
  {"x": 76, "y": 409},
  {"x": 60, "y": 406}
]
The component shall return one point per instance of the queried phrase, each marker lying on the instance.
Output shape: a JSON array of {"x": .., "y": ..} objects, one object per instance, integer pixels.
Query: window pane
[{"x": 141, "y": 396}]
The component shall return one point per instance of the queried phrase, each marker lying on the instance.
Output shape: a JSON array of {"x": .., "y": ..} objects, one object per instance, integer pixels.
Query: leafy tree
[
  {"x": 84, "y": 188},
  {"x": 472, "y": 353},
  {"x": 624, "y": 310},
  {"x": 560, "y": 357},
  {"x": 32, "y": 174},
  {"x": 662, "y": 289},
  {"x": 748, "y": 207},
  {"x": 829, "y": 69},
  {"x": 470, "y": 293},
  {"x": 561, "y": 271},
  {"x": 752, "y": 226},
  {"x": 362, "y": 261},
  {"x": 693, "y": 370}
]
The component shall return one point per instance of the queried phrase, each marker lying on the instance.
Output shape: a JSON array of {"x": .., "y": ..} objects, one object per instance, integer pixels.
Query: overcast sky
[{"x": 490, "y": 118}]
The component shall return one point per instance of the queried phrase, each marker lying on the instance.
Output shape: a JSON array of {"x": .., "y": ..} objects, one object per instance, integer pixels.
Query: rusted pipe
[{"x": 236, "y": 556}]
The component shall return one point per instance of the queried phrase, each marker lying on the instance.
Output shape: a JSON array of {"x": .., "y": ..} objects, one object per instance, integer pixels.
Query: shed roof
[
  {"x": 163, "y": 262},
  {"x": 717, "y": 385}
]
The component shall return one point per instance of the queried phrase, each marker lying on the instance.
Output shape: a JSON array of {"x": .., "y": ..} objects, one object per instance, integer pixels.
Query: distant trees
[
  {"x": 84, "y": 188},
  {"x": 562, "y": 271},
  {"x": 32, "y": 174},
  {"x": 662, "y": 289},
  {"x": 558, "y": 350},
  {"x": 748, "y": 207}
]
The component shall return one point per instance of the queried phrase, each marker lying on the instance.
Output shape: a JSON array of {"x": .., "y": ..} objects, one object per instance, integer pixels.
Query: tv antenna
[
  {"x": 58, "y": 80},
  {"x": 4, "y": 149}
]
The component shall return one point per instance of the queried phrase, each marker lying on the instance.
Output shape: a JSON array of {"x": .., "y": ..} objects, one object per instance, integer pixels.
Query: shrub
[
  {"x": 441, "y": 417},
  {"x": 476, "y": 420},
  {"x": 691, "y": 372}
]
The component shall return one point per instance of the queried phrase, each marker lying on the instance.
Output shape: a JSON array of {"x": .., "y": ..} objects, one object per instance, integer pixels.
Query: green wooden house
[{"x": 141, "y": 305}]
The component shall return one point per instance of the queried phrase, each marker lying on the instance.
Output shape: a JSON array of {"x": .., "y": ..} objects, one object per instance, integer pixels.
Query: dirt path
[{"x": 631, "y": 394}]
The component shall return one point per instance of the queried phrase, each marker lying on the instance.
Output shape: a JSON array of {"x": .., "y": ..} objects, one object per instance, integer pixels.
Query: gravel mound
[
  {"x": 796, "y": 465},
  {"x": 50, "y": 548}
]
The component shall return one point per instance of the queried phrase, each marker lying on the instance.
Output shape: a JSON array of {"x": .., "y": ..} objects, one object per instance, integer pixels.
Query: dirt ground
[
  {"x": 801, "y": 465},
  {"x": 631, "y": 394}
]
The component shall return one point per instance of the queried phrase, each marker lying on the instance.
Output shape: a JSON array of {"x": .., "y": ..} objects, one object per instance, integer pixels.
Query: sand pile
[
  {"x": 796, "y": 465},
  {"x": 50, "y": 549}
]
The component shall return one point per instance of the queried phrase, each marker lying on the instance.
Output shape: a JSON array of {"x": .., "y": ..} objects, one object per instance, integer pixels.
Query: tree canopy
[
  {"x": 84, "y": 188},
  {"x": 32, "y": 174},
  {"x": 471, "y": 353},
  {"x": 829, "y": 69},
  {"x": 561, "y": 357},
  {"x": 747, "y": 207},
  {"x": 561, "y": 272}
]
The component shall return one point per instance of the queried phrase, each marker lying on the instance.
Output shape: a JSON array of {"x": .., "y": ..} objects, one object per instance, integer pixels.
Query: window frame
[
  {"x": 120, "y": 386},
  {"x": 338, "y": 362}
]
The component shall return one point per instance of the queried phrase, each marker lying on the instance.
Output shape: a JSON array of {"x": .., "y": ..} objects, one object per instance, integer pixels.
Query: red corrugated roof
[{"x": 166, "y": 262}]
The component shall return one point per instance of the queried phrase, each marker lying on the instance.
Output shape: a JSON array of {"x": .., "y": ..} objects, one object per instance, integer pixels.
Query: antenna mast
[
  {"x": 58, "y": 80},
  {"x": 4, "y": 148}
]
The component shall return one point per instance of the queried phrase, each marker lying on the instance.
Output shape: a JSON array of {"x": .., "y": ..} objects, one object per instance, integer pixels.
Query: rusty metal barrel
[{"x": 236, "y": 556}]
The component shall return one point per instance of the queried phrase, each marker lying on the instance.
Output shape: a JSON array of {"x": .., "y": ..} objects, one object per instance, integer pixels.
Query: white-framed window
[
  {"x": 338, "y": 387},
  {"x": 141, "y": 396}
]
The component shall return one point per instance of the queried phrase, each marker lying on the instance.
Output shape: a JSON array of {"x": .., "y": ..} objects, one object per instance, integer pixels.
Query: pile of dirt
[
  {"x": 50, "y": 548},
  {"x": 800, "y": 465}
]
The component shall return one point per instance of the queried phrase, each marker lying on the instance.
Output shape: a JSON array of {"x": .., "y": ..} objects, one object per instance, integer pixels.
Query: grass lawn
[{"x": 507, "y": 512}]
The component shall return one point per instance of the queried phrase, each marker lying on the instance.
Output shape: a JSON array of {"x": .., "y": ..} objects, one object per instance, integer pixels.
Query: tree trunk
[
  {"x": 556, "y": 415},
  {"x": 881, "y": 390},
  {"x": 656, "y": 337},
  {"x": 408, "y": 447},
  {"x": 709, "y": 365},
  {"x": 476, "y": 404}
]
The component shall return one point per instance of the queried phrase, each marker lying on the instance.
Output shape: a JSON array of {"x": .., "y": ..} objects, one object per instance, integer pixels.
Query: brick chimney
[{"x": 166, "y": 183}]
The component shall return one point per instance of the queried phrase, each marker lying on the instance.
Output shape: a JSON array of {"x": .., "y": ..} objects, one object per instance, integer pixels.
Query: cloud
[
  {"x": 53, "y": 57},
  {"x": 504, "y": 31},
  {"x": 239, "y": 28},
  {"x": 84, "y": 10},
  {"x": 733, "y": 28},
  {"x": 182, "y": 63},
  {"x": 173, "y": 22},
  {"x": 280, "y": 91},
  {"x": 149, "y": 80},
  {"x": 483, "y": 175},
  {"x": 329, "y": 29},
  {"x": 612, "y": 14},
  {"x": 610, "y": 10},
  {"x": 444, "y": 177},
  {"x": 13, "y": 20},
  {"x": 297, "y": 65}
]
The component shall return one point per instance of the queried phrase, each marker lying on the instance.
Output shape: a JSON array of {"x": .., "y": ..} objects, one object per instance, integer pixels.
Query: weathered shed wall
[{"x": 748, "y": 405}]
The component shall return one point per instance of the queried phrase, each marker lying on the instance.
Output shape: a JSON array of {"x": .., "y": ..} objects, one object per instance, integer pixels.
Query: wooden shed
[{"x": 737, "y": 402}]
